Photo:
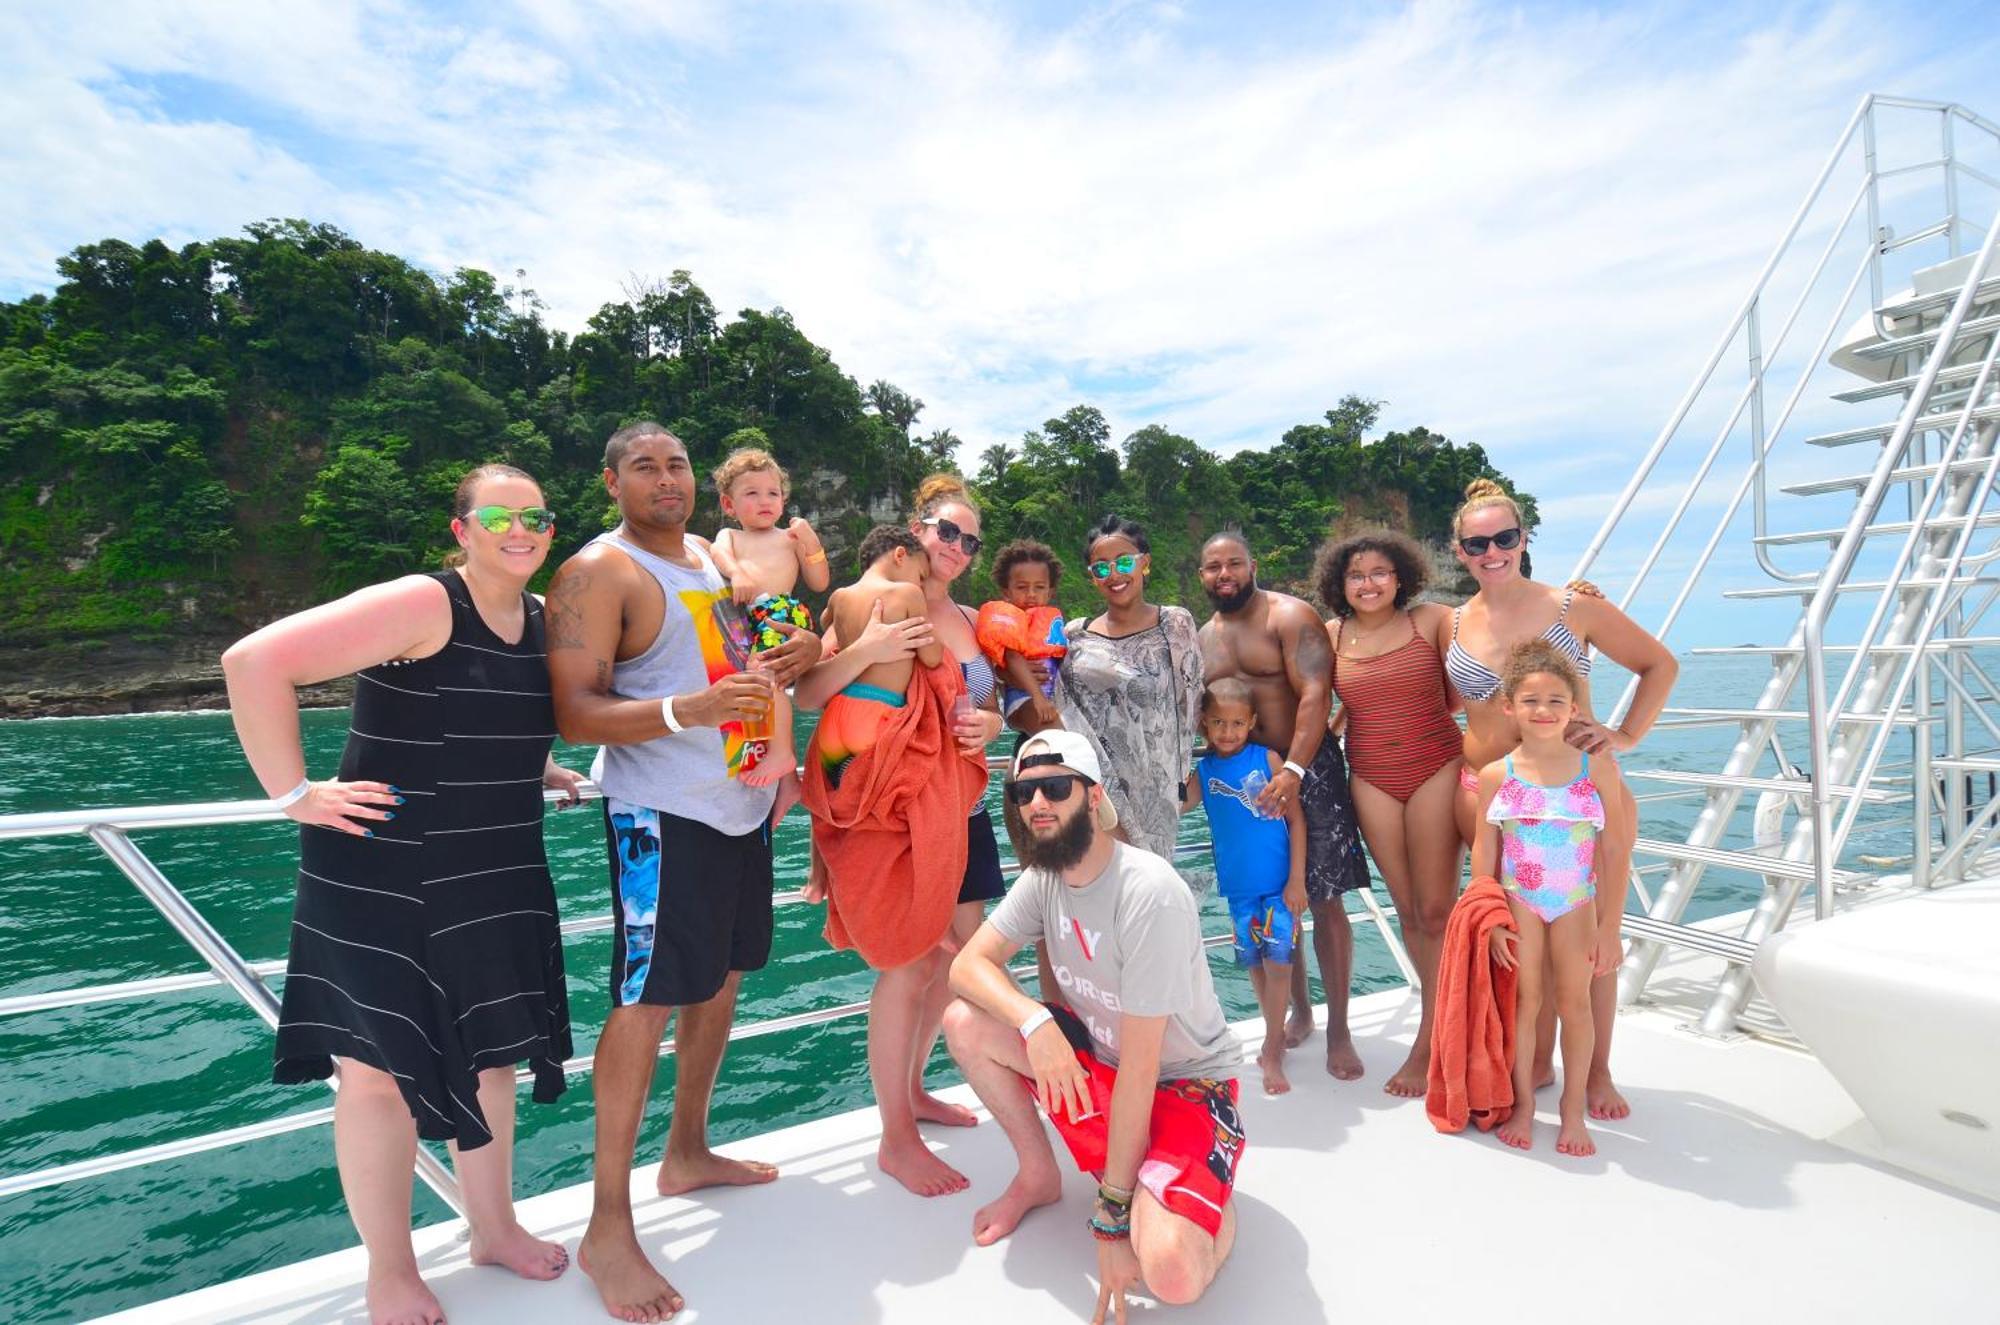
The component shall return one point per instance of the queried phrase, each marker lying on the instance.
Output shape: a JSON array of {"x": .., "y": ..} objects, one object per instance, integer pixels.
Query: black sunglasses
[
  {"x": 1056, "y": 787},
  {"x": 1506, "y": 540},
  {"x": 949, "y": 532}
]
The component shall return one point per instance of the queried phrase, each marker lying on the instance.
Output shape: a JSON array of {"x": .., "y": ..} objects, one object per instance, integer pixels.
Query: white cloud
[{"x": 1511, "y": 227}]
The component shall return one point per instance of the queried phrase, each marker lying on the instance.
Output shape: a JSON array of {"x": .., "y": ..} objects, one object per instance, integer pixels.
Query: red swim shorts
[{"x": 1196, "y": 1142}]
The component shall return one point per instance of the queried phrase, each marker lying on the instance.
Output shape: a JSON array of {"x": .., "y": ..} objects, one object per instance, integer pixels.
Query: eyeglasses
[
  {"x": 499, "y": 519},
  {"x": 1056, "y": 787},
  {"x": 948, "y": 532},
  {"x": 1370, "y": 576},
  {"x": 1125, "y": 564},
  {"x": 1506, "y": 540}
]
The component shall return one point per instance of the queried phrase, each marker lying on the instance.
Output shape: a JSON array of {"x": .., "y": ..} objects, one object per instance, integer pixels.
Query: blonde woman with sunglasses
[
  {"x": 1490, "y": 541},
  {"x": 425, "y": 959}
]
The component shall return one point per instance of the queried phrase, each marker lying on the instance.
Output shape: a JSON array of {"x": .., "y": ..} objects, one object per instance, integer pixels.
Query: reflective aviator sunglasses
[
  {"x": 949, "y": 532},
  {"x": 499, "y": 519},
  {"x": 1506, "y": 540}
]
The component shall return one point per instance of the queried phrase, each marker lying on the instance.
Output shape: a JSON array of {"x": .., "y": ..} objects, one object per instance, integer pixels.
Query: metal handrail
[
  {"x": 1842, "y": 560},
  {"x": 108, "y": 828}
]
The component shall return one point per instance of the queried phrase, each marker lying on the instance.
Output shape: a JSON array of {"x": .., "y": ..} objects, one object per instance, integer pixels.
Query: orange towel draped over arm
[
  {"x": 1472, "y": 1042},
  {"x": 891, "y": 837}
]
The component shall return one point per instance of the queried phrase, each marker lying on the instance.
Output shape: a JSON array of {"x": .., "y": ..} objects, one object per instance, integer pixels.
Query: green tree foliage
[{"x": 200, "y": 437}]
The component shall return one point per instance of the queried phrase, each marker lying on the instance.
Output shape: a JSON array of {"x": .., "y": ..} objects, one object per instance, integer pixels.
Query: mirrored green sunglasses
[
  {"x": 499, "y": 519},
  {"x": 1125, "y": 564}
]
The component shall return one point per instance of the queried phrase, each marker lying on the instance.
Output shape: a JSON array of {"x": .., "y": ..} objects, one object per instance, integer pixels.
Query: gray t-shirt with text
[{"x": 1128, "y": 941}]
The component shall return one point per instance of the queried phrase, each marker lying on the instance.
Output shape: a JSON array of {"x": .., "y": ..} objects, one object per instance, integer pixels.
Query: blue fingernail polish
[
  {"x": 399, "y": 800},
  {"x": 368, "y": 832},
  {"x": 388, "y": 814},
  {"x": 394, "y": 789}
]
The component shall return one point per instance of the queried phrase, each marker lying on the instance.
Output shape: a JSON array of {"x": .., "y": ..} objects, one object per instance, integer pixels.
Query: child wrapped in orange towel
[{"x": 888, "y": 790}]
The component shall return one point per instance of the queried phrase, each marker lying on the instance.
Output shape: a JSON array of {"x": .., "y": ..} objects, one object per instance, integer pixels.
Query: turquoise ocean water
[{"x": 87, "y": 1081}]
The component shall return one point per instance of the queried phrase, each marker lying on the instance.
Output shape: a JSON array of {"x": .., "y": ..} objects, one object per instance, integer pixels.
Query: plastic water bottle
[{"x": 1254, "y": 783}]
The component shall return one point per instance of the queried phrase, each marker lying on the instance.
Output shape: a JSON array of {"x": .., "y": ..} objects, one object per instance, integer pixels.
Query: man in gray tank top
[{"x": 639, "y": 665}]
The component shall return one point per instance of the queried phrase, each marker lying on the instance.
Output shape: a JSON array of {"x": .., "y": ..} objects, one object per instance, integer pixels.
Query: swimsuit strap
[
  {"x": 1454, "y": 621},
  {"x": 1509, "y": 763},
  {"x": 1569, "y": 595},
  {"x": 1584, "y": 772}
]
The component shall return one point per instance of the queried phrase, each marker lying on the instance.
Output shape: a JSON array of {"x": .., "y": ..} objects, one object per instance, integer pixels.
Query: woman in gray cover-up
[{"x": 1131, "y": 682}]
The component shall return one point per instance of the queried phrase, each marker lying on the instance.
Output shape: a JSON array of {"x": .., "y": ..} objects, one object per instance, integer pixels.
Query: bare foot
[
  {"x": 1545, "y": 1078},
  {"x": 686, "y": 1173},
  {"x": 1298, "y": 1027},
  {"x": 522, "y": 1252},
  {"x": 1603, "y": 1098},
  {"x": 912, "y": 1164},
  {"x": 400, "y": 1297},
  {"x": 1341, "y": 1061},
  {"x": 631, "y": 1288},
  {"x": 997, "y": 1220},
  {"x": 1272, "y": 1062},
  {"x": 777, "y": 762},
  {"x": 1411, "y": 1081},
  {"x": 930, "y": 1109},
  {"x": 1519, "y": 1129},
  {"x": 1574, "y": 1138}
]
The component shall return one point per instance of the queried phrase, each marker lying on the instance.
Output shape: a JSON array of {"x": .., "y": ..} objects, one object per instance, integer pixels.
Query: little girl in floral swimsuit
[{"x": 1540, "y": 811}]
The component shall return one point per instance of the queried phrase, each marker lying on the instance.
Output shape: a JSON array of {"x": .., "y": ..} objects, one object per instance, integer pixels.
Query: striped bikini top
[
  {"x": 1478, "y": 682},
  {"x": 979, "y": 678}
]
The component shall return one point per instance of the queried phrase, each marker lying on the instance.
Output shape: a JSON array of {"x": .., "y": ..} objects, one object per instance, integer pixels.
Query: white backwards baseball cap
[{"x": 1071, "y": 750}]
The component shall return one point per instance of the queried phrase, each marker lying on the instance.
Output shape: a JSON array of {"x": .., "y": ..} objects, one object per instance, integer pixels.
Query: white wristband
[
  {"x": 294, "y": 796},
  {"x": 1295, "y": 768},
  {"x": 1041, "y": 1018},
  {"x": 667, "y": 712}
]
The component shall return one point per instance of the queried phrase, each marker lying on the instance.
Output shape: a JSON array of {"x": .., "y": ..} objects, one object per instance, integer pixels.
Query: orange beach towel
[
  {"x": 891, "y": 836},
  {"x": 1472, "y": 1041}
]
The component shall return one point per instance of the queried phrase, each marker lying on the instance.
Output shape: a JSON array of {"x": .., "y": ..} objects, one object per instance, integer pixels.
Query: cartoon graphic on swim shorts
[
  {"x": 637, "y": 831},
  {"x": 1219, "y": 1098},
  {"x": 769, "y": 612}
]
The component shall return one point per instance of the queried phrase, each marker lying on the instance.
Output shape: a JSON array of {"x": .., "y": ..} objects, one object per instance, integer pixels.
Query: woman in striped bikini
[
  {"x": 1509, "y": 608},
  {"x": 426, "y": 962},
  {"x": 1402, "y": 744}
]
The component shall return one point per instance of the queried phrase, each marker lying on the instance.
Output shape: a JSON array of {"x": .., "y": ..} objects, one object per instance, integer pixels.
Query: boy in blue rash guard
[{"x": 1260, "y": 861}]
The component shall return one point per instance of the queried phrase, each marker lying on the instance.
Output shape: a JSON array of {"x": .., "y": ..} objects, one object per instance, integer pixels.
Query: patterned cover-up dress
[
  {"x": 1138, "y": 699},
  {"x": 430, "y": 951}
]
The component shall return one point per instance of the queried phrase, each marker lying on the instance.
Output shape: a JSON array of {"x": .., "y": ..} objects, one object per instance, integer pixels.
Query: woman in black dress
[{"x": 426, "y": 962}]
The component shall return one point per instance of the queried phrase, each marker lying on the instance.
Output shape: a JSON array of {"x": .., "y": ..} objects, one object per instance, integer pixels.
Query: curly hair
[
  {"x": 1413, "y": 571},
  {"x": 749, "y": 460},
  {"x": 884, "y": 538},
  {"x": 1532, "y": 656},
  {"x": 1021, "y": 552}
]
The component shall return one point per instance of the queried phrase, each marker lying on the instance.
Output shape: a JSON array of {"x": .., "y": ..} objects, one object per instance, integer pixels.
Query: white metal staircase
[{"x": 1909, "y": 574}]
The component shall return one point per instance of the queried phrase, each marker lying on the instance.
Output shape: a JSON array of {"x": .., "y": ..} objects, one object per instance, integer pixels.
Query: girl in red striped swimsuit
[{"x": 1403, "y": 746}]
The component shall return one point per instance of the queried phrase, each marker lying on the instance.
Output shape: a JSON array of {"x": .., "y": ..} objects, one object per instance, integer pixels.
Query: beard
[
  {"x": 1060, "y": 850},
  {"x": 1228, "y": 603}
]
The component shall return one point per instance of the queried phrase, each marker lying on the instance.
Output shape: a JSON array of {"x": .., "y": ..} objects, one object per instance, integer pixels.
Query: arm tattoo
[
  {"x": 1312, "y": 653},
  {"x": 603, "y": 682},
  {"x": 565, "y": 609}
]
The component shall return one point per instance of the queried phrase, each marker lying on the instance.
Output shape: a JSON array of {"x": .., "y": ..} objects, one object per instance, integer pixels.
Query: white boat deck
[{"x": 1740, "y": 1189}]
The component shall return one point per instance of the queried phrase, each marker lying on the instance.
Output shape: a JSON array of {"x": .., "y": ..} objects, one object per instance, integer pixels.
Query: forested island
[{"x": 196, "y": 440}]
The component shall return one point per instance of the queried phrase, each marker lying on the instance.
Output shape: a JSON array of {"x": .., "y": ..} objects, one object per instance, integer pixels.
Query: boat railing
[
  {"x": 110, "y": 829},
  {"x": 1908, "y": 185}
]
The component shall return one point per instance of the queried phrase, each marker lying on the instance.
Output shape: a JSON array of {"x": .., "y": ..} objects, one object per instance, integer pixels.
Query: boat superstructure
[{"x": 1878, "y": 716}]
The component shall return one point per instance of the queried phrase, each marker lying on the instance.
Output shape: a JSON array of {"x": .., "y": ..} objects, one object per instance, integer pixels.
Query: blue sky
[{"x": 1521, "y": 225}]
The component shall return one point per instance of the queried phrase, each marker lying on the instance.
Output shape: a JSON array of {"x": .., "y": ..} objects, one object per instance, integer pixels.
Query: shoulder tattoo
[{"x": 564, "y": 608}]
